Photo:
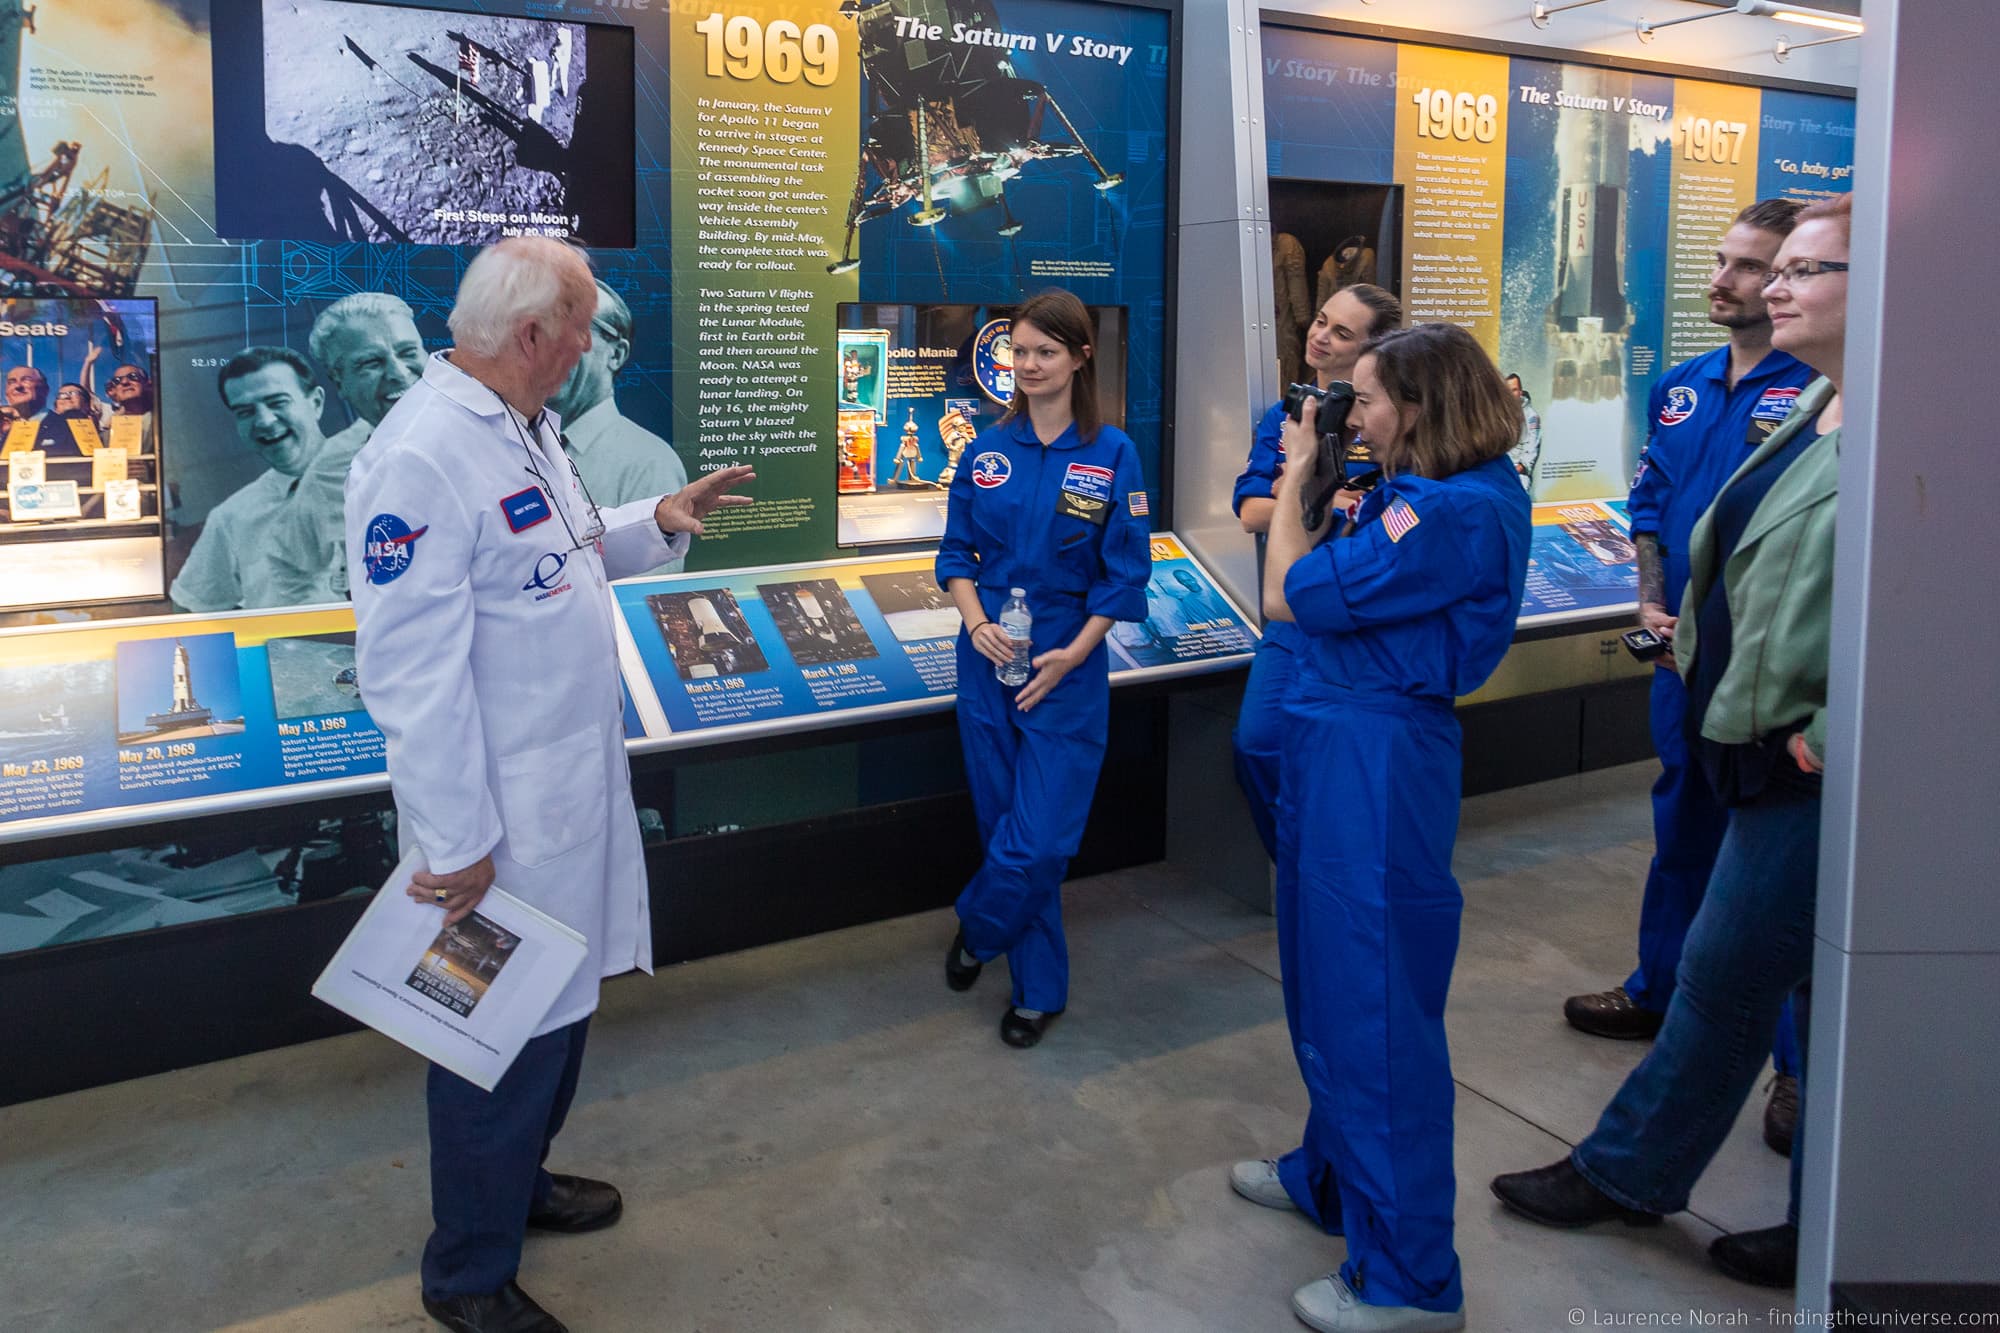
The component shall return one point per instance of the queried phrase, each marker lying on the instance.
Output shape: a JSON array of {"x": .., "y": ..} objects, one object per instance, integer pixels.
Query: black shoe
[
  {"x": 1558, "y": 1196},
  {"x": 1767, "y": 1258},
  {"x": 1017, "y": 1029},
  {"x": 1613, "y": 1014},
  {"x": 1781, "y": 1114},
  {"x": 508, "y": 1310},
  {"x": 956, "y": 974},
  {"x": 576, "y": 1204}
]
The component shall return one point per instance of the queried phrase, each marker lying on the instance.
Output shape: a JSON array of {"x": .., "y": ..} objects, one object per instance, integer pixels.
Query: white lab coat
[{"x": 495, "y": 679}]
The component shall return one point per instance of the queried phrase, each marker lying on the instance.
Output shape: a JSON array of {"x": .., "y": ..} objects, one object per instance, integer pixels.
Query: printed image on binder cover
[{"x": 462, "y": 962}]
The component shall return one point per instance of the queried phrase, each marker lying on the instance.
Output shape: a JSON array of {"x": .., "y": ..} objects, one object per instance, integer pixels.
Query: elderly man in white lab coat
[{"x": 480, "y": 579}]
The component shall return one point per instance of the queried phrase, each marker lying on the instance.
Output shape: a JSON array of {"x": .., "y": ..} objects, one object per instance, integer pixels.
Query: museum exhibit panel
[{"x": 232, "y": 231}]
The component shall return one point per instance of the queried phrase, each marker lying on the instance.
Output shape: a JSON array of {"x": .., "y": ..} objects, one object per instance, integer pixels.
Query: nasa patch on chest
[
  {"x": 991, "y": 469},
  {"x": 1086, "y": 492}
]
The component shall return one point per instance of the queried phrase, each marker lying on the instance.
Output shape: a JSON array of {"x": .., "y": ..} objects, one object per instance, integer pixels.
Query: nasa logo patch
[
  {"x": 389, "y": 548},
  {"x": 1679, "y": 406},
  {"x": 991, "y": 469}
]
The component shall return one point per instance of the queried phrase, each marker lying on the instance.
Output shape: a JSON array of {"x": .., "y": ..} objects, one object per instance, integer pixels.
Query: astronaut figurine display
[{"x": 908, "y": 453}]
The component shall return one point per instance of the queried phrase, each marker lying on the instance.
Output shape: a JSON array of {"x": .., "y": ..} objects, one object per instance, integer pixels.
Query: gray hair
[
  {"x": 381, "y": 305},
  {"x": 520, "y": 278}
]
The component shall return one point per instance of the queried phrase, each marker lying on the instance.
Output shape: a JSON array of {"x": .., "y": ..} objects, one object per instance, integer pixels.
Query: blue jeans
[
  {"x": 1688, "y": 824},
  {"x": 1749, "y": 949},
  {"x": 487, "y": 1150}
]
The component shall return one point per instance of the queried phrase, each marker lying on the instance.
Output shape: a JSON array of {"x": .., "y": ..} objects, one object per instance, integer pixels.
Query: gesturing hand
[
  {"x": 1050, "y": 668},
  {"x": 458, "y": 893},
  {"x": 684, "y": 510}
]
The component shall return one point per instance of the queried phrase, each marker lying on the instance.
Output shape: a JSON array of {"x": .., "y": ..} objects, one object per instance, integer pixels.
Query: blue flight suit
[
  {"x": 1413, "y": 608},
  {"x": 1700, "y": 431},
  {"x": 1062, "y": 522},
  {"x": 1258, "y": 742},
  {"x": 1260, "y": 722}
]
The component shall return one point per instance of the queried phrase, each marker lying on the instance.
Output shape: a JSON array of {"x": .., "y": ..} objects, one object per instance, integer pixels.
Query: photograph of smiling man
[{"x": 270, "y": 393}]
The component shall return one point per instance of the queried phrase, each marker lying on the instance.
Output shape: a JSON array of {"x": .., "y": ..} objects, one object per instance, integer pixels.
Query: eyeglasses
[
  {"x": 1799, "y": 270},
  {"x": 127, "y": 379}
]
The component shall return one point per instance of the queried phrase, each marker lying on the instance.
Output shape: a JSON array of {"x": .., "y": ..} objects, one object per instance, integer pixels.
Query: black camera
[{"x": 1344, "y": 462}]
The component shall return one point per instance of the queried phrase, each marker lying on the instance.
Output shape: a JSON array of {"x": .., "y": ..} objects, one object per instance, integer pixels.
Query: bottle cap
[{"x": 1017, "y": 592}]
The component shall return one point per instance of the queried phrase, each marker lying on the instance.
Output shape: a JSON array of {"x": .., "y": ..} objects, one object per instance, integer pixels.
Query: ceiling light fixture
[
  {"x": 1771, "y": 9},
  {"x": 1783, "y": 51},
  {"x": 1812, "y": 18},
  {"x": 1539, "y": 15}
]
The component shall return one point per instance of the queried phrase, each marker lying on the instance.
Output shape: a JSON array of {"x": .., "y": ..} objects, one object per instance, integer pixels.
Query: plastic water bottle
[{"x": 1017, "y": 624}]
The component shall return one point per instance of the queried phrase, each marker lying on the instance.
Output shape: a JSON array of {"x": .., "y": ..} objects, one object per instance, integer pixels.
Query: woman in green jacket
[{"x": 1752, "y": 644}]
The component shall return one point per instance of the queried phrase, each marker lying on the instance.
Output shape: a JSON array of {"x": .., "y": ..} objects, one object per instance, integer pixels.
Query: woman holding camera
[
  {"x": 1411, "y": 604},
  {"x": 1052, "y": 504},
  {"x": 1350, "y": 317}
]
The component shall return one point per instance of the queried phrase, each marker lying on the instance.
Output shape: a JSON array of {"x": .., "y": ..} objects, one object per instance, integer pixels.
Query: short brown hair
[
  {"x": 1777, "y": 216},
  {"x": 1060, "y": 315},
  {"x": 1465, "y": 414}
]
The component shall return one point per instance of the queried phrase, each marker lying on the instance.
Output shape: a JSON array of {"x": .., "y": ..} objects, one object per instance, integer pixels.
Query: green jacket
[{"x": 1780, "y": 588}]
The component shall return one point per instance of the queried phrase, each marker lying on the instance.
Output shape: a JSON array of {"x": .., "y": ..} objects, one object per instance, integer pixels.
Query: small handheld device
[{"x": 1646, "y": 645}]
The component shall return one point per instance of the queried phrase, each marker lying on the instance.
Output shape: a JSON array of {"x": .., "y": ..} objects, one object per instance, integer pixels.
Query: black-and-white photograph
[
  {"x": 913, "y": 604},
  {"x": 386, "y": 123}
]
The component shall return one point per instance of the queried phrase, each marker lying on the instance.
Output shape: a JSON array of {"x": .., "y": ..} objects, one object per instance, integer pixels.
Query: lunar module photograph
[{"x": 946, "y": 125}]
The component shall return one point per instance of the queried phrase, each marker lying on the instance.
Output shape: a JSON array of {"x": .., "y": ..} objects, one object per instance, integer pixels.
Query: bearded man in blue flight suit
[{"x": 1706, "y": 416}]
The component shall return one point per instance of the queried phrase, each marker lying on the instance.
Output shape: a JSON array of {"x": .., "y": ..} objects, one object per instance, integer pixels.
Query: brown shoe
[
  {"x": 1613, "y": 1014},
  {"x": 1781, "y": 1114}
]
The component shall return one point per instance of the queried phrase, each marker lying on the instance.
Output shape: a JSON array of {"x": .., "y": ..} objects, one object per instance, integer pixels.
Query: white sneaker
[
  {"x": 1258, "y": 1182},
  {"x": 1330, "y": 1307}
]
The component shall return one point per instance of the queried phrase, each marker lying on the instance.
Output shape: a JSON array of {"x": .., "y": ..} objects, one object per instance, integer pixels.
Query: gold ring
[{"x": 440, "y": 895}]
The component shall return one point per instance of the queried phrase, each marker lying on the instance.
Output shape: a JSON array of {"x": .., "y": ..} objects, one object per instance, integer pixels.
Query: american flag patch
[
  {"x": 1136, "y": 502},
  {"x": 1398, "y": 519}
]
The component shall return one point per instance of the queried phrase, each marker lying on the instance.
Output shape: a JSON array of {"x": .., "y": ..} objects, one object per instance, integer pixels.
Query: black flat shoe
[
  {"x": 956, "y": 974},
  {"x": 508, "y": 1310},
  {"x": 1557, "y": 1195},
  {"x": 1612, "y": 1014},
  {"x": 576, "y": 1204},
  {"x": 1766, "y": 1258},
  {"x": 1017, "y": 1029}
]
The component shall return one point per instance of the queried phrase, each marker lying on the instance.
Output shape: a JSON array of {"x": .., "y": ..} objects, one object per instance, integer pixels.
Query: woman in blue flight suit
[
  {"x": 1350, "y": 317},
  {"x": 1345, "y": 324},
  {"x": 1412, "y": 605},
  {"x": 1051, "y": 503}
]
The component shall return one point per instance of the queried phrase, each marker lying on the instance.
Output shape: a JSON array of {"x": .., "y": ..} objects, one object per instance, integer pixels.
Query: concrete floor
[{"x": 818, "y": 1135}]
